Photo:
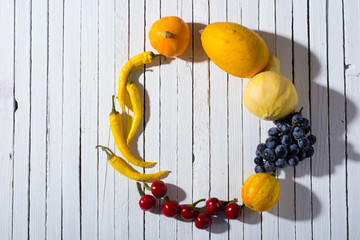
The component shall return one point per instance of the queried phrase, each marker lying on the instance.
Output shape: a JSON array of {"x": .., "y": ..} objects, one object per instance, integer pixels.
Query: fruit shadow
[
  {"x": 194, "y": 51},
  {"x": 302, "y": 66},
  {"x": 145, "y": 103}
]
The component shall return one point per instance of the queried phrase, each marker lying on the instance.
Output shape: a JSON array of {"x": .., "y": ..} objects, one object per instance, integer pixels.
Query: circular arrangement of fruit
[{"x": 269, "y": 95}]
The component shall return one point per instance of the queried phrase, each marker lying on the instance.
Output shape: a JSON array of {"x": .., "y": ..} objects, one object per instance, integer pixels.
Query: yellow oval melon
[
  {"x": 260, "y": 192},
  {"x": 235, "y": 49},
  {"x": 270, "y": 95}
]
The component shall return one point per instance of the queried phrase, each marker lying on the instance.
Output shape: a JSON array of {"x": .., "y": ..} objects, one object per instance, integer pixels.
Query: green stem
[
  {"x": 167, "y": 34},
  {"x": 301, "y": 109},
  {"x": 234, "y": 200},
  {"x": 242, "y": 206},
  {"x": 153, "y": 55},
  {"x": 107, "y": 150},
  {"x": 141, "y": 192},
  {"x": 113, "y": 111},
  {"x": 130, "y": 74},
  {"x": 146, "y": 186},
  {"x": 193, "y": 205},
  {"x": 167, "y": 198}
]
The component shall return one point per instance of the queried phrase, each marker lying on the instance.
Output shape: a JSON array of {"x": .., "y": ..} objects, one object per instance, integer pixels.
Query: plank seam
[{"x": 47, "y": 166}]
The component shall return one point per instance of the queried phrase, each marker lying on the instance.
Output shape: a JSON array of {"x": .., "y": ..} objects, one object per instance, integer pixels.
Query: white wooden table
[{"x": 59, "y": 63}]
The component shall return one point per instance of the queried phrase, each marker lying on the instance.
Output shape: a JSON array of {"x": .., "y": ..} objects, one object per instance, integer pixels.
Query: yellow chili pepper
[
  {"x": 136, "y": 61},
  {"x": 125, "y": 169},
  {"x": 137, "y": 110},
  {"x": 118, "y": 133}
]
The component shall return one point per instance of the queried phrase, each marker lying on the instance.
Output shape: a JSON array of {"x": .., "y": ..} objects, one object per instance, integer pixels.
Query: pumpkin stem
[{"x": 167, "y": 34}]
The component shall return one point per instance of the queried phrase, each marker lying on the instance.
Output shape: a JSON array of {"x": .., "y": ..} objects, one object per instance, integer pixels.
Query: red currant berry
[
  {"x": 147, "y": 202},
  {"x": 203, "y": 221},
  {"x": 170, "y": 208},
  {"x": 213, "y": 206},
  {"x": 232, "y": 210},
  {"x": 188, "y": 213},
  {"x": 158, "y": 189}
]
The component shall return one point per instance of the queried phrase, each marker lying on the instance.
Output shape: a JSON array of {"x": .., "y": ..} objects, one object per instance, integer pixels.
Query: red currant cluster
[{"x": 188, "y": 212}]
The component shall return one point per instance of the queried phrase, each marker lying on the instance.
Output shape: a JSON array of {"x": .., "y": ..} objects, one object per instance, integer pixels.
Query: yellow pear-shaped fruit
[
  {"x": 235, "y": 49},
  {"x": 270, "y": 95}
]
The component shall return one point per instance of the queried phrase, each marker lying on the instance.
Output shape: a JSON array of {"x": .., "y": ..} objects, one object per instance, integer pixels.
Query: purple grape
[
  {"x": 269, "y": 154},
  {"x": 297, "y": 118},
  {"x": 259, "y": 161},
  {"x": 312, "y": 139},
  {"x": 271, "y": 142},
  {"x": 309, "y": 152},
  {"x": 281, "y": 162},
  {"x": 281, "y": 151},
  {"x": 261, "y": 148},
  {"x": 293, "y": 149},
  {"x": 273, "y": 132},
  {"x": 297, "y": 132},
  {"x": 259, "y": 169},
  {"x": 269, "y": 166},
  {"x": 286, "y": 128},
  {"x": 293, "y": 161},
  {"x": 303, "y": 143},
  {"x": 304, "y": 123},
  {"x": 301, "y": 155},
  {"x": 286, "y": 140}
]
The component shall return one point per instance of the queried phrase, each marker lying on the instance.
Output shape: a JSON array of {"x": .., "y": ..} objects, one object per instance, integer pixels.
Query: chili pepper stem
[
  {"x": 153, "y": 55},
  {"x": 107, "y": 150},
  {"x": 141, "y": 192},
  {"x": 193, "y": 205},
  {"x": 146, "y": 186},
  {"x": 130, "y": 74},
  {"x": 113, "y": 111}
]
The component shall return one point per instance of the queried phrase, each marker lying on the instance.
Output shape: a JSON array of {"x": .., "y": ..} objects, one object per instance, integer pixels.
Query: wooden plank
[
  {"x": 286, "y": 212},
  {"x": 89, "y": 118},
  {"x": 201, "y": 113},
  {"x": 121, "y": 45},
  {"x": 136, "y": 46},
  {"x": 352, "y": 74},
  {"x": 301, "y": 81},
  {"x": 319, "y": 119},
  {"x": 108, "y": 215},
  {"x": 38, "y": 124},
  {"x": 251, "y": 133},
  {"x": 6, "y": 116},
  {"x": 337, "y": 101},
  {"x": 218, "y": 130},
  {"x": 55, "y": 116},
  {"x": 184, "y": 123},
  {"x": 168, "y": 126},
  {"x": 22, "y": 121},
  {"x": 267, "y": 30},
  {"x": 235, "y": 132},
  {"x": 71, "y": 122},
  {"x": 152, "y": 118}
]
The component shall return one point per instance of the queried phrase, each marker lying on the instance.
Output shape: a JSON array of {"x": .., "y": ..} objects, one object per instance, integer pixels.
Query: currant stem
[
  {"x": 193, "y": 205},
  {"x": 141, "y": 192},
  {"x": 167, "y": 198},
  {"x": 146, "y": 186}
]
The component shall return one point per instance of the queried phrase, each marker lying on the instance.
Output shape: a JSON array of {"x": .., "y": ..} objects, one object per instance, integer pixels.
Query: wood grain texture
[
  {"x": 59, "y": 65},
  {"x": 352, "y": 74}
]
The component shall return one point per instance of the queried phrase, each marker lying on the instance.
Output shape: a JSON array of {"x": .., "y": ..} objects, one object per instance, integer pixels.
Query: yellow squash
[
  {"x": 270, "y": 95},
  {"x": 236, "y": 49},
  {"x": 260, "y": 192}
]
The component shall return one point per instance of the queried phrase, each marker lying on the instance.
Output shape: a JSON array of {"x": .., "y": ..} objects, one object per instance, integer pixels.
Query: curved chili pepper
[
  {"x": 125, "y": 169},
  {"x": 118, "y": 133},
  {"x": 136, "y": 61},
  {"x": 137, "y": 111}
]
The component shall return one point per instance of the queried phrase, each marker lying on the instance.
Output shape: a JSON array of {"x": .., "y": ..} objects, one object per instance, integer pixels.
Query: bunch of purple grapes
[{"x": 287, "y": 144}]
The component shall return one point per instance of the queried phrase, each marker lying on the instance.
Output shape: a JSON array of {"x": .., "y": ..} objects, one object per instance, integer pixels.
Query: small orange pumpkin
[
  {"x": 260, "y": 192},
  {"x": 169, "y": 36}
]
